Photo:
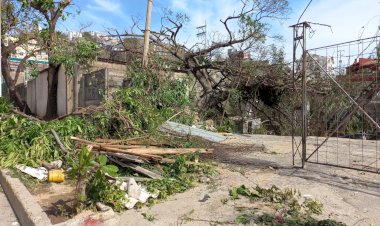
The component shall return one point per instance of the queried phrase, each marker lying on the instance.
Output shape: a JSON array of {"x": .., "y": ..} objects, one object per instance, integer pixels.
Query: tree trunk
[
  {"x": 14, "y": 96},
  {"x": 51, "y": 107}
]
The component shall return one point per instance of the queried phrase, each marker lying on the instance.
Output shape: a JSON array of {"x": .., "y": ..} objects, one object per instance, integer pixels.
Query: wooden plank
[
  {"x": 132, "y": 141},
  {"x": 116, "y": 150},
  {"x": 136, "y": 168},
  {"x": 127, "y": 157},
  {"x": 168, "y": 151}
]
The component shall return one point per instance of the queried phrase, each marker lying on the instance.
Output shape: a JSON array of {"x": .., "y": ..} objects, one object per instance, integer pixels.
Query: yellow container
[{"x": 56, "y": 176}]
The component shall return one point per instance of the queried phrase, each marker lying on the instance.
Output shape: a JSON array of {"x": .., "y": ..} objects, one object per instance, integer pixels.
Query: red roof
[{"x": 361, "y": 63}]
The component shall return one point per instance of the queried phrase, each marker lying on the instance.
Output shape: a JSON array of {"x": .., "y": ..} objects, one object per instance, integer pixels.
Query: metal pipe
[
  {"x": 328, "y": 46},
  {"x": 347, "y": 167}
]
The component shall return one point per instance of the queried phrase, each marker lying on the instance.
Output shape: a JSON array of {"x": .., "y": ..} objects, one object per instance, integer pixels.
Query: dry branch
[
  {"x": 136, "y": 168},
  {"x": 127, "y": 157},
  {"x": 25, "y": 115},
  {"x": 61, "y": 146}
]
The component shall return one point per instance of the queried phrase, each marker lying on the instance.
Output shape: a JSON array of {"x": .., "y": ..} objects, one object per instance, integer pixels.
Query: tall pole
[
  {"x": 294, "y": 90},
  {"x": 304, "y": 94},
  {"x": 147, "y": 33}
]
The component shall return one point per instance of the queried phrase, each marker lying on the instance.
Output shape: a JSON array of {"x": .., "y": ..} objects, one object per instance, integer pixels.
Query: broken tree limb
[
  {"x": 143, "y": 151},
  {"x": 25, "y": 115},
  {"x": 61, "y": 146},
  {"x": 127, "y": 157},
  {"x": 116, "y": 150},
  {"x": 123, "y": 146},
  {"x": 168, "y": 151},
  {"x": 132, "y": 141},
  {"x": 136, "y": 168},
  {"x": 158, "y": 151}
]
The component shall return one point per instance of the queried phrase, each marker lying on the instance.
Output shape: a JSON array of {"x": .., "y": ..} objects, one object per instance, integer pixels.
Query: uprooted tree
[
  {"x": 35, "y": 21},
  {"x": 246, "y": 30},
  {"x": 230, "y": 78}
]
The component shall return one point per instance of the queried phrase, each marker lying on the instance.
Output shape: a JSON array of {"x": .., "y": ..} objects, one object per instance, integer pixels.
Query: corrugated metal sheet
[{"x": 188, "y": 130}]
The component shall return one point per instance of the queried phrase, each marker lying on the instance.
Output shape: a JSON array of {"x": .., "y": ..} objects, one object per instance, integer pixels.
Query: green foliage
[
  {"x": 91, "y": 170},
  {"x": 64, "y": 53},
  {"x": 100, "y": 190},
  {"x": 287, "y": 204},
  {"x": 46, "y": 5},
  {"x": 149, "y": 100},
  {"x": 233, "y": 194},
  {"x": 5, "y": 106},
  {"x": 235, "y": 95},
  {"x": 173, "y": 93},
  {"x": 139, "y": 107},
  {"x": 271, "y": 219},
  {"x": 178, "y": 177},
  {"x": 242, "y": 219},
  {"x": 148, "y": 217},
  {"x": 312, "y": 207},
  {"x": 28, "y": 142}
]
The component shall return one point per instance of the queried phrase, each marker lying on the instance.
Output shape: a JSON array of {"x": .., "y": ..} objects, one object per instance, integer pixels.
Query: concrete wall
[
  {"x": 36, "y": 95},
  {"x": 71, "y": 94}
]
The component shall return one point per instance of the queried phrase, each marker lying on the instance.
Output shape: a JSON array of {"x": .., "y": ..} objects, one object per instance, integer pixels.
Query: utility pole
[
  {"x": 147, "y": 33},
  {"x": 299, "y": 39},
  {"x": 305, "y": 25}
]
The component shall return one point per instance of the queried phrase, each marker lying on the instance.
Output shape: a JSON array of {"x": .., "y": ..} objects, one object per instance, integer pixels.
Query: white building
[
  {"x": 74, "y": 35},
  {"x": 325, "y": 64}
]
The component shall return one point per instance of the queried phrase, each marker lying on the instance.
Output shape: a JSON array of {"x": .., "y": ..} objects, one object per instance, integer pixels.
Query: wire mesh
[{"x": 341, "y": 132}]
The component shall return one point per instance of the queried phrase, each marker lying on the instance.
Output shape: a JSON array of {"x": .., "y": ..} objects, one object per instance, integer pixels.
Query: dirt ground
[
  {"x": 56, "y": 200},
  {"x": 348, "y": 196}
]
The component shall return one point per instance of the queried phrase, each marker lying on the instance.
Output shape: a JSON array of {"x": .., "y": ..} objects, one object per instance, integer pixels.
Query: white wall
[{"x": 41, "y": 94}]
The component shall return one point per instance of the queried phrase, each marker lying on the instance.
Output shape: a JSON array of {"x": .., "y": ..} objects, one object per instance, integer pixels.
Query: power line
[{"x": 304, "y": 11}]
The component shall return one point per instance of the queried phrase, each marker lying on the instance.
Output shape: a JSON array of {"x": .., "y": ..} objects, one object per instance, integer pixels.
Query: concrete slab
[{"x": 24, "y": 205}]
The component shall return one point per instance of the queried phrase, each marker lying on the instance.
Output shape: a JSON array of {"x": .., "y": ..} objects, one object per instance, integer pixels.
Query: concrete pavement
[{"x": 7, "y": 216}]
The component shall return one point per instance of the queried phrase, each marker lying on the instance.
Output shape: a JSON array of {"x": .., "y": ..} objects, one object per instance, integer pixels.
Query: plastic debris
[
  {"x": 40, "y": 173},
  {"x": 134, "y": 190},
  {"x": 56, "y": 176},
  {"x": 135, "y": 194}
]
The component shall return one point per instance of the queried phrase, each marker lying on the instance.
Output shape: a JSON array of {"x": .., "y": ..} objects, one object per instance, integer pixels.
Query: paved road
[{"x": 7, "y": 216}]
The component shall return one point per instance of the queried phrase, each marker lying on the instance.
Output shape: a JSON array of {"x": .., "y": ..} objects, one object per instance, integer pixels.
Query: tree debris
[{"x": 61, "y": 146}]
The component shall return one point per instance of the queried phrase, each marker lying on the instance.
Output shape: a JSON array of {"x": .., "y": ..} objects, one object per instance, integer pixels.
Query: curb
[{"x": 25, "y": 207}]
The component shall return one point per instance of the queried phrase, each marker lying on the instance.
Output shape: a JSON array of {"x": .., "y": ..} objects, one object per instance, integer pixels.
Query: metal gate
[{"x": 336, "y": 107}]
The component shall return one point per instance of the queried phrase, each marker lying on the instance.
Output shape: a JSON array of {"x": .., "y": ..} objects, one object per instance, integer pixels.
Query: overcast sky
[{"x": 350, "y": 19}]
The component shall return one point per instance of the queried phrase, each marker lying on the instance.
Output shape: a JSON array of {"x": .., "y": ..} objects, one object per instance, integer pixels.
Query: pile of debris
[{"x": 130, "y": 153}]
